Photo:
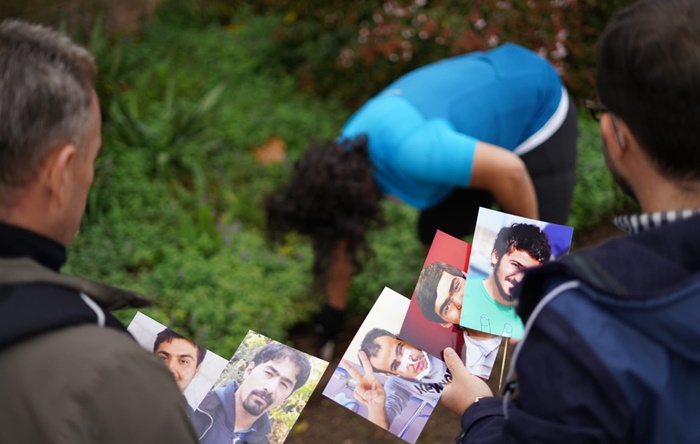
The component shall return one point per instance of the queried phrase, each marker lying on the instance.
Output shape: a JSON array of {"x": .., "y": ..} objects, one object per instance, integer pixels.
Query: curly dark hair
[
  {"x": 167, "y": 335},
  {"x": 331, "y": 197},
  {"x": 526, "y": 237}
]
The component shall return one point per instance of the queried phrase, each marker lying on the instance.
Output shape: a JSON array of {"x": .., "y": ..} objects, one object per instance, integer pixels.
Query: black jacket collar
[{"x": 16, "y": 242}]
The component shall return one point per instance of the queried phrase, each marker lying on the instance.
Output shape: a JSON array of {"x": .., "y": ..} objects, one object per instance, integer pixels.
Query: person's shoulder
[
  {"x": 211, "y": 402},
  {"x": 96, "y": 376},
  {"x": 86, "y": 351}
]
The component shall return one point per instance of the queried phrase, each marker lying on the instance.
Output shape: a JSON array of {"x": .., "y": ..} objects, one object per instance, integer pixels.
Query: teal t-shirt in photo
[{"x": 481, "y": 312}]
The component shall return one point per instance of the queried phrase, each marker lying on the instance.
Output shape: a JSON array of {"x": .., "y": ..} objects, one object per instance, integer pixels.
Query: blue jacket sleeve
[{"x": 564, "y": 395}]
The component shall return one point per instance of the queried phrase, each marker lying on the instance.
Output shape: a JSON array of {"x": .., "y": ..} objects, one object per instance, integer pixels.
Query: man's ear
[
  {"x": 494, "y": 257},
  {"x": 614, "y": 131},
  {"x": 58, "y": 173}
]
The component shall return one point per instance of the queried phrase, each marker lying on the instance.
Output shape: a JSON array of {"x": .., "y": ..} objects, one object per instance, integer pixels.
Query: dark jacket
[
  {"x": 70, "y": 371},
  {"x": 611, "y": 353},
  {"x": 214, "y": 419}
]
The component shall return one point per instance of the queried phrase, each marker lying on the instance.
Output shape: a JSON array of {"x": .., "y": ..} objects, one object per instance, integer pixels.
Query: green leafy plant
[{"x": 175, "y": 210}]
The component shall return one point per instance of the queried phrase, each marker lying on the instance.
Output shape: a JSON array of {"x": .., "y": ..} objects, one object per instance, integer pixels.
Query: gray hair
[{"x": 46, "y": 84}]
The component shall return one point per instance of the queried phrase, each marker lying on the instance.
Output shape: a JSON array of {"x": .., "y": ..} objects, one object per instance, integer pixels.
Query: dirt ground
[{"x": 325, "y": 421}]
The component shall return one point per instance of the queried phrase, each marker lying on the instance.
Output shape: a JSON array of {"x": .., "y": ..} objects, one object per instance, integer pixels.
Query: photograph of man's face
[
  {"x": 383, "y": 378},
  {"x": 181, "y": 357},
  {"x": 439, "y": 293},
  {"x": 505, "y": 247},
  {"x": 432, "y": 321},
  {"x": 449, "y": 294},
  {"x": 267, "y": 385},
  {"x": 508, "y": 270},
  {"x": 394, "y": 356},
  {"x": 259, "y": 395},
  {"x": 193, "y": 367}
]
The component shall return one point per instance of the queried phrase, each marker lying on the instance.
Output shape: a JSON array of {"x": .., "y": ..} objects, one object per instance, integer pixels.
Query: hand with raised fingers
[{"x": 369, "y": 390}]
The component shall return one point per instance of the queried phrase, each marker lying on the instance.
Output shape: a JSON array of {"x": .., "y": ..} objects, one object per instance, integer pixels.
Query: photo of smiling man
[
  {"x": 519, "y": 244},
  {"x": 383, "y": 378}
]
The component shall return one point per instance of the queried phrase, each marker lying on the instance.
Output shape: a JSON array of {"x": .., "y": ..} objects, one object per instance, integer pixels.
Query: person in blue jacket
[
  {"x": 610, "y": 352},
  {"x": 447, "y": 138}
]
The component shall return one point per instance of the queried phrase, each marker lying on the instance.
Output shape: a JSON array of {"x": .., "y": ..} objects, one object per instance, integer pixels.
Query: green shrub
[
  {"x": 351, "y": 49},
  {"x": 175, "y": 209}
]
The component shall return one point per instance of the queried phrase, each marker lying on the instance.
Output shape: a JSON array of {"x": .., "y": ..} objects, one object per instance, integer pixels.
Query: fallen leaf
[{"x": 274, "y": 150}]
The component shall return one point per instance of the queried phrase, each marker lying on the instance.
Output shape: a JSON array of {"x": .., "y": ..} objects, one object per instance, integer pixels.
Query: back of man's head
[
  {"x": 648, "y": 74},
  {"x": 274, "y": 351},
  {"x": 426, "y": 288},
  {"x": 526, "y": 237},
  {"x": 46, "y": 85}
]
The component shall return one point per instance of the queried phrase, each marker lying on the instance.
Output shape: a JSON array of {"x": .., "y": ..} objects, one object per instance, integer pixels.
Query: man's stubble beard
[
  {"x": 506, "y": 296},
  {"x": 253, "y": 407}
]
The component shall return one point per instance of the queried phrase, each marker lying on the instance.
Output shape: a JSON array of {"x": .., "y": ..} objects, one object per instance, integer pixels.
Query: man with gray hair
[{"x": 71, "y": 372}]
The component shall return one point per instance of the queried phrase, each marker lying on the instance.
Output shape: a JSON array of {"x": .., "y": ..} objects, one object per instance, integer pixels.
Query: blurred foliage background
[{"x": 208, "y": 103}]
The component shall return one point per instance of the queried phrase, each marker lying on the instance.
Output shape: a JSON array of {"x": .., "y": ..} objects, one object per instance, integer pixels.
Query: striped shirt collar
[{"x": 636, "y": 223}]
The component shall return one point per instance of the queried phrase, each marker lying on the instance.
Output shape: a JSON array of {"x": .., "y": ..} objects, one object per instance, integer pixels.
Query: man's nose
[
  {"x": 172, "y": 365},
  {"x": 271, "y": 385}
]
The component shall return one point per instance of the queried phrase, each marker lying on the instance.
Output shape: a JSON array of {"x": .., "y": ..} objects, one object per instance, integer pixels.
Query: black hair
[
  {"x": 274, "y": 351},
  {"x": 370, "y": 347},
  {"x": 648, "y": 74},
  {"x": 525, "y": 237},
  {"x": 331, "y": 197},
  {"x": 167, "y": 335}
]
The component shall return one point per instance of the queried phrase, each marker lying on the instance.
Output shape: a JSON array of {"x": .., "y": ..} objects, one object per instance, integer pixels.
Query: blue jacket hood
[{"x": 662, "y": 305}]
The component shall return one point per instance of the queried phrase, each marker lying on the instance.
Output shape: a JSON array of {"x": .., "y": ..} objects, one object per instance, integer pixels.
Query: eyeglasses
[{"x": 596, "y": 107}]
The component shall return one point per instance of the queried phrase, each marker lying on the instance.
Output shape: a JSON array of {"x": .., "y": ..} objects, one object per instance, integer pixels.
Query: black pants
[{"x": 552, "y": 167}]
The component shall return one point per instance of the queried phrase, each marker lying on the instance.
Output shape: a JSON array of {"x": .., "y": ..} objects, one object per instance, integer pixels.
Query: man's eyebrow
[
  {"x": 288, "y": 381},
  {"x": 517, "y": 263},
  {"x": 272, "y": 369}
]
